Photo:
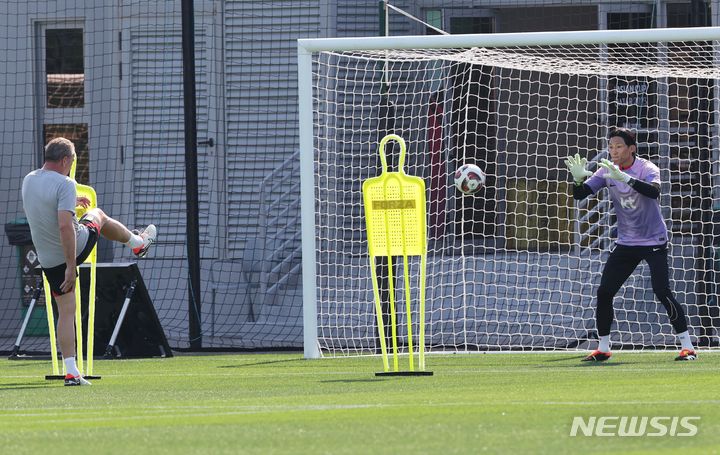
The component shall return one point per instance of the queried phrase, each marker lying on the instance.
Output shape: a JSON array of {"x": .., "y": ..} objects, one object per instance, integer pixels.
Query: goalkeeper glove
[
  {"x": 614, "y": 172},
  {"x": 576, "y": 165}
]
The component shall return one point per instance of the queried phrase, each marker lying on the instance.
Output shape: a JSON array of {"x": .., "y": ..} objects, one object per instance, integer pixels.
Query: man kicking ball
[{"x": 62, "y": 242}]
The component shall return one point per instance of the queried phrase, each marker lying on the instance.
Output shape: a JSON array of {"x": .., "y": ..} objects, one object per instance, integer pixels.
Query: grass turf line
[{"x": 280, "y": 403}]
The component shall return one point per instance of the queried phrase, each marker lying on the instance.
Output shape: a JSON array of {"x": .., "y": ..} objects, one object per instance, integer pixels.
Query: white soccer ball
[{"x": 469, "y": 179}]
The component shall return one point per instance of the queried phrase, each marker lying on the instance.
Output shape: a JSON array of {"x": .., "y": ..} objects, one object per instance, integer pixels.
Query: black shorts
[{"x": 56, "y": 275}]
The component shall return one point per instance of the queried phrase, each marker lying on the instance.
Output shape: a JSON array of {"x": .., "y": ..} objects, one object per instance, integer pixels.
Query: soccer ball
[{"x": 469, "y": 179}]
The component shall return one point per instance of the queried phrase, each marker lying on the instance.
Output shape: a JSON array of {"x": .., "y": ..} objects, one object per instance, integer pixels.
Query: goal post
[
  {"x": 307, "y": 203},
  {"x": 515, "y": 267}
]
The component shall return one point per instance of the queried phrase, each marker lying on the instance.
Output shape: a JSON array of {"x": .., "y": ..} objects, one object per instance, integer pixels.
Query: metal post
[
  {"x": 118, "y": 324},
  {"x": 191, "y": 175},
  {"x": 382, "y": 17},
  {"x": 16, "y": 349}
]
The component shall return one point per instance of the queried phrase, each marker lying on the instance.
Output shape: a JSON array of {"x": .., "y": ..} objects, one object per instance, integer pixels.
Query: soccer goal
[{"x": 515, "y": 266}]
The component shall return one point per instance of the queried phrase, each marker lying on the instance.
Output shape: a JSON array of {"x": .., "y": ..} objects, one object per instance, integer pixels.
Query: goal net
[{"x": 516, "y": 266}]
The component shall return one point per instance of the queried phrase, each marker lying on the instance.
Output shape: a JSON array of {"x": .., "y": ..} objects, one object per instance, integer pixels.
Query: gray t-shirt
[{"x": 44, "y": 194}]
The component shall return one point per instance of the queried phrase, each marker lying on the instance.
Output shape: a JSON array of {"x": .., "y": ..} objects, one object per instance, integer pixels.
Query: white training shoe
[
  {"x": 149, "y": 235},
  {"x": 71, "y": 380}
]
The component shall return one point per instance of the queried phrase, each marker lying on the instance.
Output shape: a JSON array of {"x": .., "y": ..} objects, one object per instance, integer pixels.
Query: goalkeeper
[{"x": 634, "y": 187}]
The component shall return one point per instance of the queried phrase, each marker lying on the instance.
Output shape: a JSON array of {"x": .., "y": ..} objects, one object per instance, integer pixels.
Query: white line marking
[{"x": 172, "y": 412}]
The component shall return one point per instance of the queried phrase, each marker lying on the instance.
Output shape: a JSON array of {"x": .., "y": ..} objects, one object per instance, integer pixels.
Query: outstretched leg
[
  {"x": 112, "y": 229},
  {"x": 109, "y": 228}
]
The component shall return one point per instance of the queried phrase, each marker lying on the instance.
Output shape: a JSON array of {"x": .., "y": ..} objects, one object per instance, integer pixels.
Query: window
[
  {"x": 693, "y": 14},
  {"x": 623, "y": 21},
  {"x": 433, "y": 17},
  {"x": 64, "y": 68},
  {"x": 61, "y": 89},
  {"x": 78, "y": 134},
  {"x": 462, "y": 25},
  {"x": 632, "y": 99}
]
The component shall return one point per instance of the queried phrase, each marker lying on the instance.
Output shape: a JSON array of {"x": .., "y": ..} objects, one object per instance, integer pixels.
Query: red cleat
[
  {"x": 597, "y": 356},
  {"x": 687, "y": 354}
]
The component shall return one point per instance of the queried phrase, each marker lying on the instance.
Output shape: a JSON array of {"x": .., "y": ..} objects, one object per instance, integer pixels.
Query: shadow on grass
[
  {"x": 599, "y": 364},
  {"x": 576, "y": 362},
  {"x": 567, "y": 359},
  {"x": 16, "y": 364},
  {"x": 330, "y": 381},
  {"x": 23, "y": 386},
  {"x": 269, "y": 362}
]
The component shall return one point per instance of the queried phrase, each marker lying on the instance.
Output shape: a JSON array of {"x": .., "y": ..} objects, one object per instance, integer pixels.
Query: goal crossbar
[{"x": 510, "y": 39}]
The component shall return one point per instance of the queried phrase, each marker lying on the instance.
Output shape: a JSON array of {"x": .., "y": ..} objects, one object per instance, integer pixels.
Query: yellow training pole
[
  {"x": 408, "y": 310},
  {"x": 393, "y": 318},
  {"x": 91, "y": 312},
  {"x": 78, "y": 326},
  {"x": 89, "y": 192},
  {"x": 378, "y": 315},
  {"x": 421, "y": 311},
  {"x": 51, "y": 327}
]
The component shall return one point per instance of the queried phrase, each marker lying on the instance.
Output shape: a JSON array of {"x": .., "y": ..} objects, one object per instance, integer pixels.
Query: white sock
[
  {"x": 70, "y": 366},
  {"x": 685, "y": 340},
  {"x": 604, "y": 344},
  {"x": 135, "y": 241}
]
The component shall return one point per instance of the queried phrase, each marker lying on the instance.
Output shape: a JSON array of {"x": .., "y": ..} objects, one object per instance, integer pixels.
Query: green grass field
[{"x": 280, "y": 403}]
